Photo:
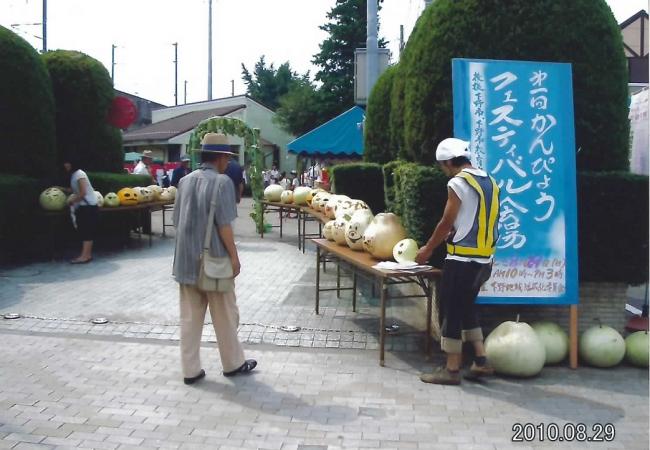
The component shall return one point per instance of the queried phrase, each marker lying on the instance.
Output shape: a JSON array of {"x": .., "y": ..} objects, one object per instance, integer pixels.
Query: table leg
[
  {"x": 338, "y": 280},
  {"x": 299, "y": 232},
  {"x": 151, "y": 227},
  {"x": 262, "y": 229},
  {"x": 163, "y": 217},
  {"x": 281, "y": 220},
  {"x": 317, "y": 279},
  {"x": 354, "y": 291},
  {"x": 304, "y": 230},
  {"x": 382, "y": 322},
  {"x": 429, "y": 293}
]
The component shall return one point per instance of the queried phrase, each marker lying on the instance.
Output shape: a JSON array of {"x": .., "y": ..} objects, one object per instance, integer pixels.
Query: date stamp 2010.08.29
[{"x": 569, "y": 432}]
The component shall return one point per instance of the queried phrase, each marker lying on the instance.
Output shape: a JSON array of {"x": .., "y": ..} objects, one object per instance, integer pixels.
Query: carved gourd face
[
  {"x": 338, "y": 231},
  {"x": 286, "y": 197},
  {"x": 100, "y": 199},
  {"x": 172, "y": 190},
  {"x": 315, "y": 201},
  {"x": 156, "y": 190},
  {"x": 355, "y": 229},
  {"x": 111, "y": 200},
  {"x": 322, "y": 202},
  {"x": 52, "y": 199},
  {"x": 405, "y": 251},
  {"x": 144, "y": 194},
  {"x": 166, "y": 195},
  {"x": 328, "y": 228},
  {"x": 127, "y": 196}
]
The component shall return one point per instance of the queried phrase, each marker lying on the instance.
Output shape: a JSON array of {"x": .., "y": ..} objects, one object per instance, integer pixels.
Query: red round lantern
[{"x": 122, "y": 113}]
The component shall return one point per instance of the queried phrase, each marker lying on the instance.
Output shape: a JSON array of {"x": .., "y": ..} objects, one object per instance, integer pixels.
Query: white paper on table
[{"x": 406, "y": 266}]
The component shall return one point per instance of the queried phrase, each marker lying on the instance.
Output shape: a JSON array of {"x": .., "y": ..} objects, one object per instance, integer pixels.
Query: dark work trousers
[{"x": 458, "y": 291}]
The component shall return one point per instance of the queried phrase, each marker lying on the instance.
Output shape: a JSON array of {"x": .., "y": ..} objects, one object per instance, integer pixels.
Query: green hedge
[
  {"x": 112, "y": 182},
  {"x": 364, "y": 181},
  {"x": 612, "y": 219},
  {"x": 420, "y": 198},
  {"x": 27, "y": 134},
  {"x": 613, "y": 227},
  {"x": 396, "y": 115},
  {"x": 388, "y": 170},
  {"x": 544, "y": 30},
  {"x": 83, "y": 91},
  {"x": 377, "y": 147}
]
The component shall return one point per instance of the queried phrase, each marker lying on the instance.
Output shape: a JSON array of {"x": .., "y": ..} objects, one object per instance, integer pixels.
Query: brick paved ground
[
  {"x": 62, "y": 392},
  {"x": 66, "y": 383}
]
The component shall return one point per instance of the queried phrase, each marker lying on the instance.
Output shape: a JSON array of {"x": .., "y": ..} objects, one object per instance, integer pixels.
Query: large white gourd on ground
[
  {"x": 382, "y": 234},
  {"x": 328, "y": 228},
  {"x": 356, "y": 227},
  {"x": 100, "y": 199},
  {"x": 513, "y": 348},
  {"x": 273, "y": 193},
  {"x": 338, "y": 231},
  {"x": 602, "y": 346},
  {"x": 555, "y": 340},
  {"x": 111, "y": 200},
  {"x": 300, "y": 195},
  {"x": 405, "y": 251},
  {"x": 52, "y": 199},
  {"x": 636, "y": 349},
  {"x": 287, "y": 197}
]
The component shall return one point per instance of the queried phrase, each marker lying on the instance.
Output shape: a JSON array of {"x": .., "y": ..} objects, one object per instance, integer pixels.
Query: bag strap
[{"x": 209, "y": 227}]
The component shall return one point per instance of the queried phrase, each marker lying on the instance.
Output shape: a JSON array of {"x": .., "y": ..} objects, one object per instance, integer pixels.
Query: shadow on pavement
[{"x": 247, "y": 392}]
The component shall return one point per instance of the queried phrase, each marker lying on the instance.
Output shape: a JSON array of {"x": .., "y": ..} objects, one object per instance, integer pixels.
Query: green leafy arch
[{"x": 251, "y": 136}]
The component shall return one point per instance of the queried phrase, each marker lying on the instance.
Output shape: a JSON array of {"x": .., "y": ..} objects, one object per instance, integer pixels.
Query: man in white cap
[
  {"x": 469, "y": 225},
  {"x": 143, "y": 166},
  {"x": 191, "y": 211}
]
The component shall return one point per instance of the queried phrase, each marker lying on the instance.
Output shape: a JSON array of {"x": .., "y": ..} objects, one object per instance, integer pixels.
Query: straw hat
[
  {"x": 147, "y": 154},
  {"x": 216, "y": 143}
]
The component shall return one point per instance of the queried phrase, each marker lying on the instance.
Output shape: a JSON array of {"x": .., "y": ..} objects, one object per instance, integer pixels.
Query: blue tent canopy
[{"x": 342, "y": 135}]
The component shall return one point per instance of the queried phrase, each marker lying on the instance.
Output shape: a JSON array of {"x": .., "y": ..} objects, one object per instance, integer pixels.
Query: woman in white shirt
[{"x": 83, "y": 209}]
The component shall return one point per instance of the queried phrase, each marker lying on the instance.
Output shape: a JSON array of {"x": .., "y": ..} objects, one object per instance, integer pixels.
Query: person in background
[
  {"x": 275, "y": 174},
  {"x": 284, "y": 181},
  {"x": 83, "y": 209},
  {"x": 180, "y": 171},
  {"x": 144, "y": 165},
  {"x": 191, "y": 215},
  {"x": 295, "y": 182},
  {"x": 266, "y": 175},
  {"x": 469, "y": 225},
  {"x": 236, "y": 174},
  {"x": 164, "y": 180}
]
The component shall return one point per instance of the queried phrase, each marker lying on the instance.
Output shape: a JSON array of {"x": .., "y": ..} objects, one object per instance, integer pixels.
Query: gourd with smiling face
[
  {"x": 328, "y": 229},
  {"x": 333, "y": 204},
  {"x": 356, "y": 227},
  {"x": 128, "y": 197},
  {"x": 382, "y": 234},
  {"x": 338, "y": 230},
  {"x": 52, "y": 199},
  {"x": 111, "y": 200},
  {"x": 156, "y": 190}
]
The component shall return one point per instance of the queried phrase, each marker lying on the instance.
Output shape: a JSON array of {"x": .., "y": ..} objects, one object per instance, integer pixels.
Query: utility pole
[
  {"x": 185, "y": 92},
  {"x": 401, "y": 39},
  {"x": 113, "y": 47},
  {"x": 232, "y": 88},
  {"x": 175, "y": 44},
  {"x": 44, "y": 26},
  {"x": 372, "y": 46},
  {"x": 209, "y": 49}
]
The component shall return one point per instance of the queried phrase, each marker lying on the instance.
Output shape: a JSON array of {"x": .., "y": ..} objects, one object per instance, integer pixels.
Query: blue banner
[{"x": 518, "y": 116}]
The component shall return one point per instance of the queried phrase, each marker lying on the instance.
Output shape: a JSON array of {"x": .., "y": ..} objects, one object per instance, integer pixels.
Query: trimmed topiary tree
[
  {"x": 396, "y": 116},
  {"x": 27, "y": 135},
  {"x": 377, "y": 145},
  {"x": 83, "y": 91},
  {"x": 581, "y": 32}
]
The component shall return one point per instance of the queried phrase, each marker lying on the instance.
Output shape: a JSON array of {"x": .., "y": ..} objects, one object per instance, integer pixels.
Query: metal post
[
  {"x": 232, "y": 88},
  {"x": 44, "y": 26},
  {"x": 175, "y": 44},
  {"x": 401, "y": 39},
  {"x": 113, "y": 47},
  {"x": 210, "y": 50},
  {"x": 185, "y": 92},
  {"x": 372, "y": 47}
]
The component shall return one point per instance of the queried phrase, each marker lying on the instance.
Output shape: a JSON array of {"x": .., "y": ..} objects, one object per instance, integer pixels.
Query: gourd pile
[
  {"x": 351, "y": 223},
  {"x": 521, "y": 350},
  {"x": 54, "y": 199}
]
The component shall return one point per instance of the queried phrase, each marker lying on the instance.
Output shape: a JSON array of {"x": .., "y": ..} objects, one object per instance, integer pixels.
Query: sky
[{"x": 243, "y": 30}]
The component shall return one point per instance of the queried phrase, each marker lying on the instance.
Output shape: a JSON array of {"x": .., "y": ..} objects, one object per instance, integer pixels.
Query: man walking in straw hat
[
  {"x": 143, "y": 167},
  {"x": 191, "y": 215}
]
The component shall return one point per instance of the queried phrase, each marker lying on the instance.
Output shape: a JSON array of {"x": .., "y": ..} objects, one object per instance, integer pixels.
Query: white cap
[{"x": 452, "y": 148}]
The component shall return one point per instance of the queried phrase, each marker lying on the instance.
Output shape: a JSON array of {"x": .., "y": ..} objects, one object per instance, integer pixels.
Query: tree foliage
[
  {"x": 267, "y": 85},
  {"x": 27, "y": 128},
  {"x": 377, "y": 145},
  {"x": 346, "y": 29},
  {"x": 581, "y": 32},
  {"x": 83, "y": 93},
  {"x": 300, "y": 109}
]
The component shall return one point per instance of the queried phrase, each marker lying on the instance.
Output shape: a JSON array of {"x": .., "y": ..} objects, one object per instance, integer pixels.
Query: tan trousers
[{"x": 225, "y": 320}]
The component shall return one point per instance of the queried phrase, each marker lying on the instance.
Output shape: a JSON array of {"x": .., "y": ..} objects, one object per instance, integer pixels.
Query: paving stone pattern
[{"x": 60, "y": 392}]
